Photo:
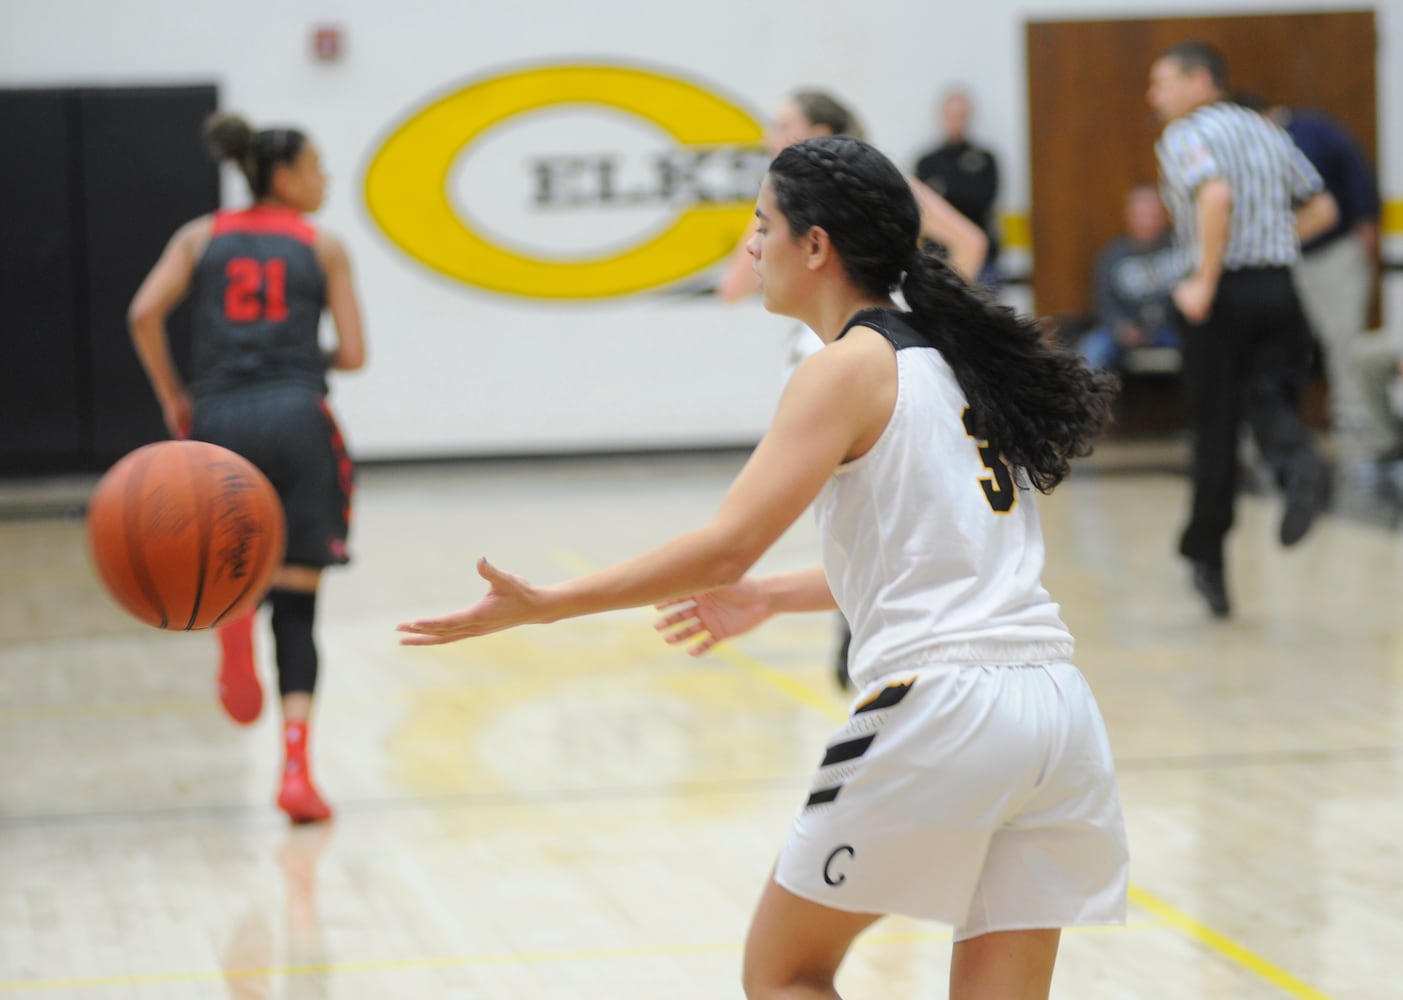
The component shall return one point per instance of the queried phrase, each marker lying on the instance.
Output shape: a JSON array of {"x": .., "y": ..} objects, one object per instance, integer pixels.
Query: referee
[{"x": 1242, "y": 197}]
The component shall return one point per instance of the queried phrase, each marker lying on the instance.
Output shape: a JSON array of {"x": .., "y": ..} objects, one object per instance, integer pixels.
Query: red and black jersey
[{"x": 258, "y": 293}]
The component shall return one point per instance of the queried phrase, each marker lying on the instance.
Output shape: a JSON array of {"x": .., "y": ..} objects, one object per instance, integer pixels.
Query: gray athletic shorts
[
  {"x": 983, "y": 797},
  {"x": 291, "y": 435}
]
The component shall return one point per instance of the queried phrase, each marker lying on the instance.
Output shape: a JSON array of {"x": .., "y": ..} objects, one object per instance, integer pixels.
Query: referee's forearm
[{"x": 1213, "y": 208}]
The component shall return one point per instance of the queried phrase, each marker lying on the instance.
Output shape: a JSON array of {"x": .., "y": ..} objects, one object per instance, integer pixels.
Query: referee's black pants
[{"x": 1248, "y": 361}]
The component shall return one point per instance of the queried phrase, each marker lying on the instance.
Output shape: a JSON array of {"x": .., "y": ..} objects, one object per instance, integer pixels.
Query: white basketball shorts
[{"x": 983, "y": 797}]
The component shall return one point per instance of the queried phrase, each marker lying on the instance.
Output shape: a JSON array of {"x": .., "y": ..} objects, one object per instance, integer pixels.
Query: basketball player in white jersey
[
  {"x": 973, "y": 784},
  {"x": 804, "y": 115}
]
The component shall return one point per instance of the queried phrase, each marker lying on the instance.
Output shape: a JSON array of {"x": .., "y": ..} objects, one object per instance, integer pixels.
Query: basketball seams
[
  {"x": 203, "y": 528},
  {"x": 253, "y": 578},
  {"x": 133, "y": 507}
]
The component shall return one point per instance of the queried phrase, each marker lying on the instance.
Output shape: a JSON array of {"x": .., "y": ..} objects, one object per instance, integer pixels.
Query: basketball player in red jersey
[{"x": 260, "y": 279}]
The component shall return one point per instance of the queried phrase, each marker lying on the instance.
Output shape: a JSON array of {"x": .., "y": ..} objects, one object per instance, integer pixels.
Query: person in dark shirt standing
[
  {"x": 259, "y": 280},
  {"x": 965, "y": 174},
  {"x": 1242, "y": 197}
]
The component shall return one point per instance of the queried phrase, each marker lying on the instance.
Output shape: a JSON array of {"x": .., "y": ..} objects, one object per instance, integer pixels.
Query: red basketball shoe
[
  {"x": 239, "y": 690},
  {"x": 298, "y": 797}
]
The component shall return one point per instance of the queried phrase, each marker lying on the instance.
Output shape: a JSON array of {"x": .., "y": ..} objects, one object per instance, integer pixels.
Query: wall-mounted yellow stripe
[
  {"x": 1017, "y": 228},
  {"x": 1017, "y": 231},
  {"x": 1392, "y": 222}
]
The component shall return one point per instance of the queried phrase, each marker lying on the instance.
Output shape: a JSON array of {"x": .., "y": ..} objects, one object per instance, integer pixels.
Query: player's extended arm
[
  {"x": 730, "y": 611},
  {"x": 162, "y": 289},
  {"x": 835, "y": 399},
  {"x": 349, "y": 353},
  {"x": 940, "y": 221}
]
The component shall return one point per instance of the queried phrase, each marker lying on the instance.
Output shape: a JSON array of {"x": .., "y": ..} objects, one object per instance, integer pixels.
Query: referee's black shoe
[
  {"x": 1306, "y": 493},
  {"x": 1208, "y": 581}
]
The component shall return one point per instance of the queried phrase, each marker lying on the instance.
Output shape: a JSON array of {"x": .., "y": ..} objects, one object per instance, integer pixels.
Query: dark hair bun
[{"x": 229, "y": 136}]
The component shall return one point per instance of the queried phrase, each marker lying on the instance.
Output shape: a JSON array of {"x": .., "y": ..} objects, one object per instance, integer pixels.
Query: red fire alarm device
[{"x": 326, "y": 42}]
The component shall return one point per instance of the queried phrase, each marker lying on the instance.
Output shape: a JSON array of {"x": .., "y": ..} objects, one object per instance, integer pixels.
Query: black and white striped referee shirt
[{"x": 1267, "y": 174}]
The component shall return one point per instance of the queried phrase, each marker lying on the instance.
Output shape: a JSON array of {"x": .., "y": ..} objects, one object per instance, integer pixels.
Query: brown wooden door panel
[{"x": 1091, "y": 135}]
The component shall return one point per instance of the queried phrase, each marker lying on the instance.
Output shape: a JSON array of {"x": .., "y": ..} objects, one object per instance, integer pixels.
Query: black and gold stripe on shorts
[
  {"x": 851, "y": 749},
  {"x": 887, "y": 697}
]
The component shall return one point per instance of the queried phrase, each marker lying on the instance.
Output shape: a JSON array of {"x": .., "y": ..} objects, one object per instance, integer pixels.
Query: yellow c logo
[{"x": 407, "y": 182}]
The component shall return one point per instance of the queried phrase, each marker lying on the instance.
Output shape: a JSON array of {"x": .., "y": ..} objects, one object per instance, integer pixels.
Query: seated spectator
[
  {"x": 1377, "y": 360},
  {"x": 1135, "y": 274}
]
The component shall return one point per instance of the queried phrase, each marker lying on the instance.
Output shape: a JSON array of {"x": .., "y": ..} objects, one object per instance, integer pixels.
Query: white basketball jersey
[{"x": 932, "y": 551}]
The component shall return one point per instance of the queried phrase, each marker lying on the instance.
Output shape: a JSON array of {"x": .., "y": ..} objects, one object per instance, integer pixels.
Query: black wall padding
[
  {"x": 41, "y": 407},
  {"x": 145, "y": 172}
]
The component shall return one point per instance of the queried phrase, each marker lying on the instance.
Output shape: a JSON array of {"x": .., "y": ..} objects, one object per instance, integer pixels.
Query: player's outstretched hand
[
  {"x": 510, "y": 601},
  {"x": 714, "y": 615},
  {"x": 178, "y": 412}
]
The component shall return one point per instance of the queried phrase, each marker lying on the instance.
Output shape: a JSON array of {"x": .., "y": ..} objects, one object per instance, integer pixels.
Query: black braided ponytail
[
  {"x": 256, "y": 153},
  {"x": 1036, "y": 402}
]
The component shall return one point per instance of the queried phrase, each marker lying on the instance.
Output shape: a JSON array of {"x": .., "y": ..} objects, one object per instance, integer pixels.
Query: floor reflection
[{"x": 256, "y": 958}]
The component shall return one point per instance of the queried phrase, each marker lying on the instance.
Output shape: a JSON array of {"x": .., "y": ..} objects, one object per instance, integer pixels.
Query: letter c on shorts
[{"x": 828, "y": 875}]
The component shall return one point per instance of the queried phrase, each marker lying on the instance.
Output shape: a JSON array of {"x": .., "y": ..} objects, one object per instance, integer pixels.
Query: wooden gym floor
[{"x": 579, "y": 811}]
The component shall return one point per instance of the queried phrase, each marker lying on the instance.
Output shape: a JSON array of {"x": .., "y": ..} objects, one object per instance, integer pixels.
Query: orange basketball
[{"x": 185, "y": 534}]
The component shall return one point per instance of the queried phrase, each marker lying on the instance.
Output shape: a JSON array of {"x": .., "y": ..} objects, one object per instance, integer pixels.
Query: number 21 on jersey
[
  {"x": 998, "y": 486},
  {"x": 257, "y": 290}
]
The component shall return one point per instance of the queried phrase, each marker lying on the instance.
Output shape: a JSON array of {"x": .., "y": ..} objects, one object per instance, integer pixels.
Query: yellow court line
[
  {"x": 776, "y": 679},
  {"x": 782, "y": 682},
  {"x": 469, "y": 961},
  {"x": 96, "y": 709},
  {"x": 383, "y": 965},
  {"x": 1224, "y": 946},
  {"x": 1216, "y": 941}
]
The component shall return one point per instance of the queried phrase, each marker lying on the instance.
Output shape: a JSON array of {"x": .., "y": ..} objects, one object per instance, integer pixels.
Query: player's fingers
[
  {"x": 683, "y": 634},
  {"x": 436, "y": 626},
  {"x": 423, "y": 640},
  {"x": 704, "y": 645},
  {"x": 501, "y": 580},
  {"x": 676, "y": 601},
  {"x": 677, "y": 617}
]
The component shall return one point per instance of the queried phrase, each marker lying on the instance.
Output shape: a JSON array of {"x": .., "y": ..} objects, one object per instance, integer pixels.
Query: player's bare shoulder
[
  {"x": 191, "y": 239},
  {"x": 857, "y": 360},
  {"x": 855, "y": 376},
  {"x": 331, "y": 252},
  {"x": 867, "y": 356}
]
